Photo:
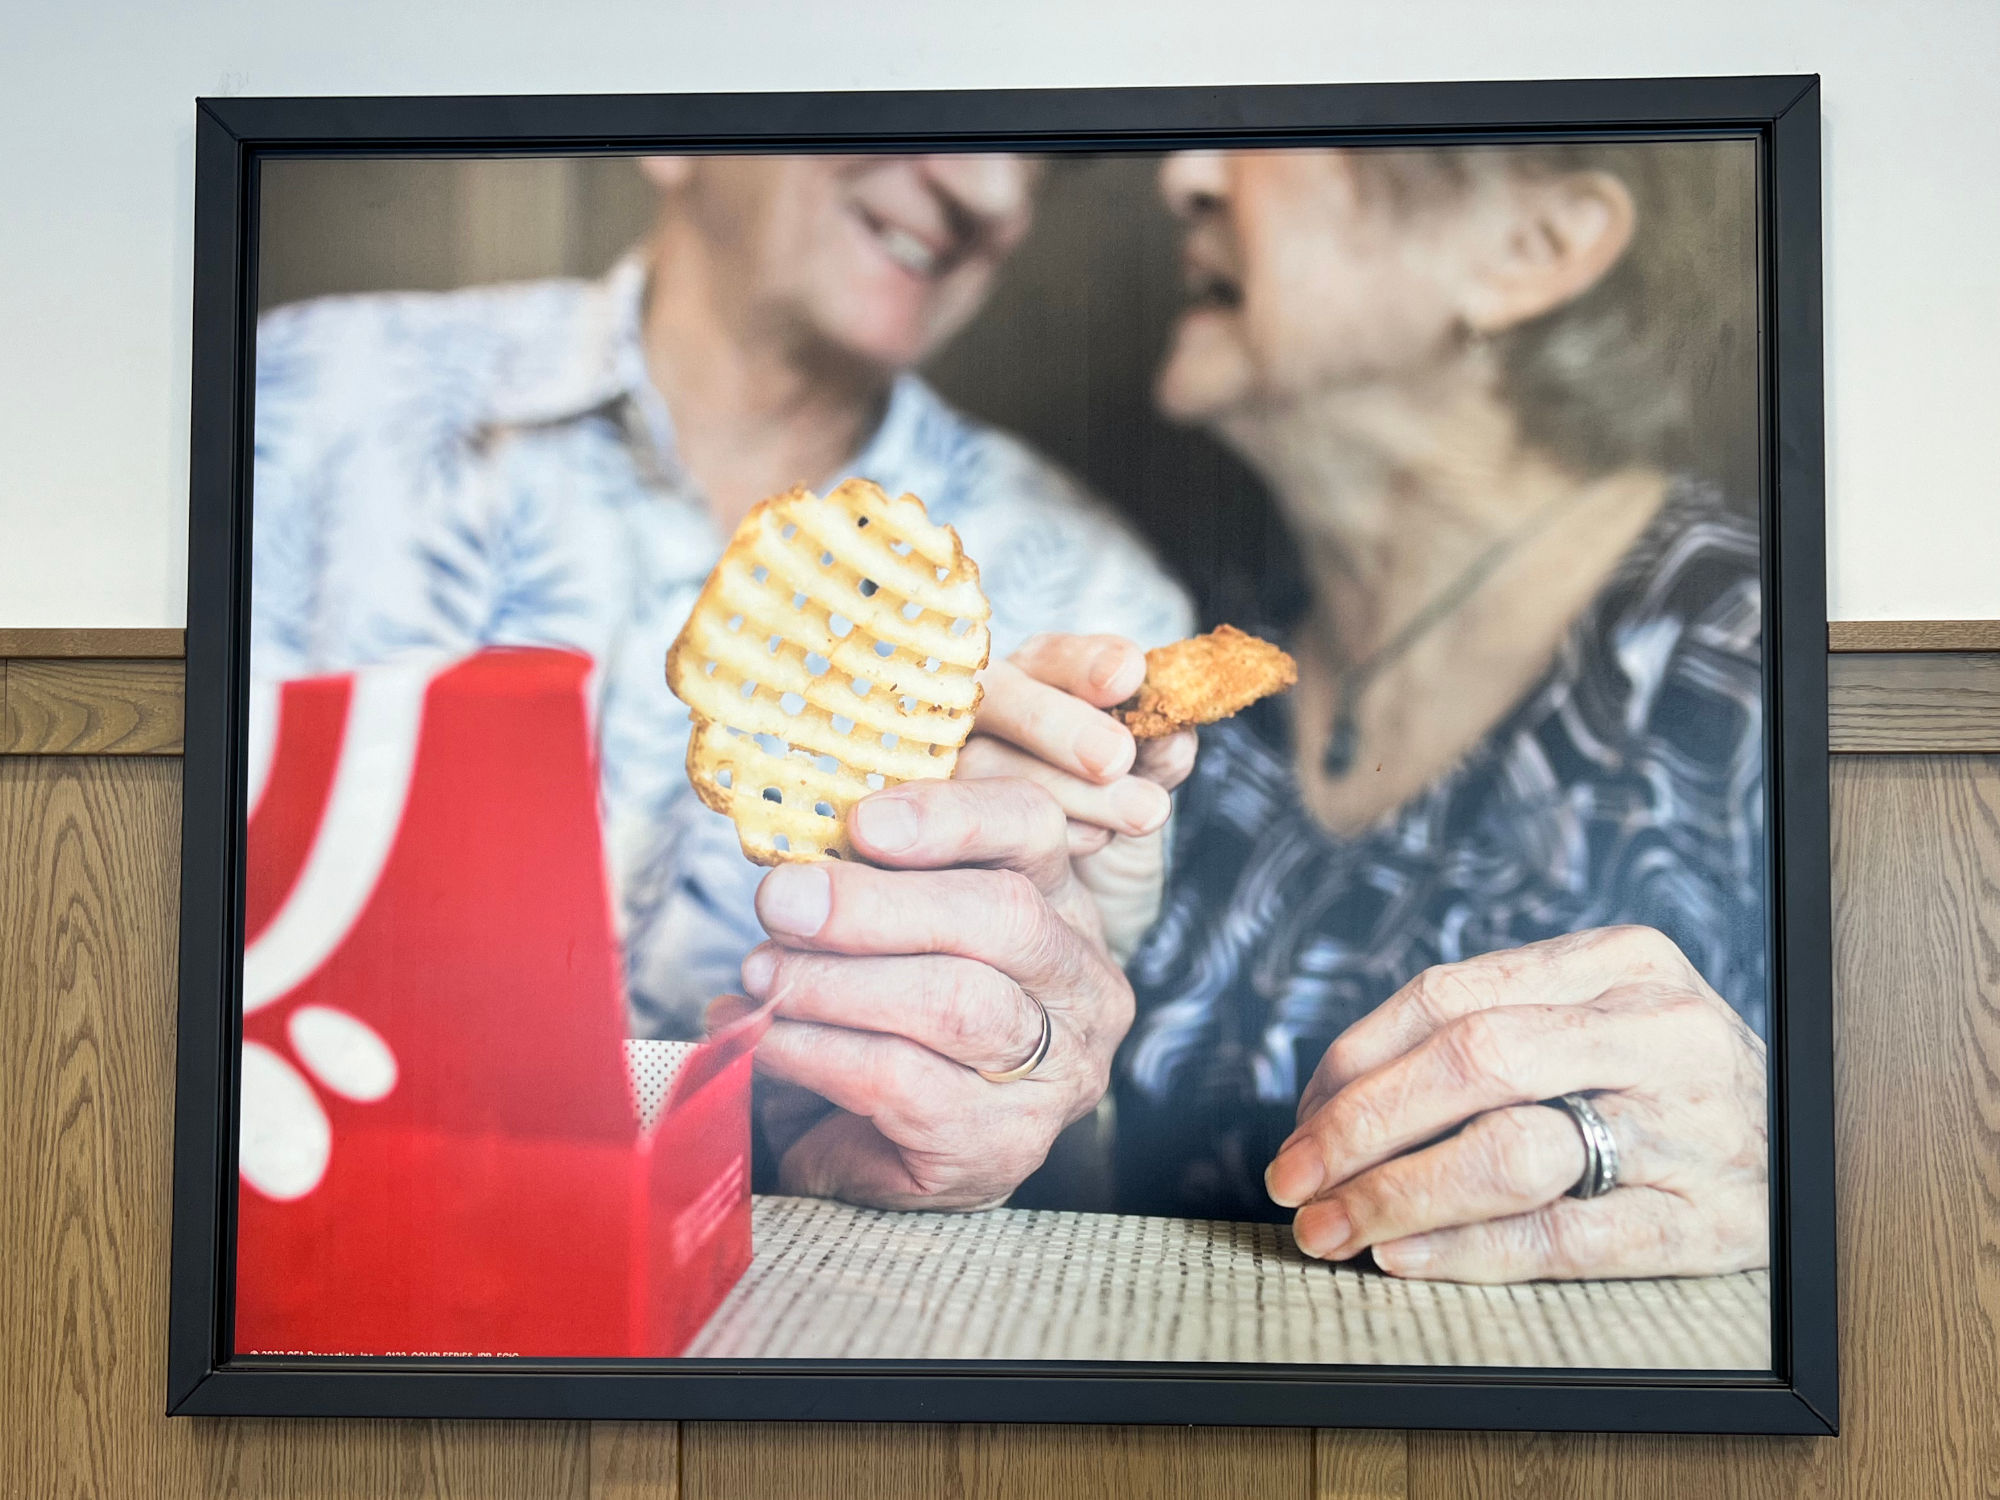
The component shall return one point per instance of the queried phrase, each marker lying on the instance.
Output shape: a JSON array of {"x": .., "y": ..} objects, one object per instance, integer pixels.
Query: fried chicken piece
[{"x": 1205, "y": 678}]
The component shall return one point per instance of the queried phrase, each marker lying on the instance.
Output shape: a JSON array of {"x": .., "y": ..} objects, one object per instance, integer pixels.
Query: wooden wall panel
[
  {"x": 63, "y": 707},
  {"x": 1913, "y": 635},
  {"x": 97, "y": 643},
  {"x": 635, "y": 1461},
  {"x": 1914, "y": 701},
  {"x": 1877, "y": 702},
  {"x": 1361, "y": 1466},
  {"x": 833, "y": 1462},
  {"x": 89, "y": 855},
  {"x": 88, "y": 848},
  {"x": 1917, "y": 975}
]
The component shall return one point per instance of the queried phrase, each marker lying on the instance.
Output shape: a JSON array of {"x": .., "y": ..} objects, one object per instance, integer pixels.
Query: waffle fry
[
  {"x": 1205, "y": 678},
  {"x": 832, "y": 653}
]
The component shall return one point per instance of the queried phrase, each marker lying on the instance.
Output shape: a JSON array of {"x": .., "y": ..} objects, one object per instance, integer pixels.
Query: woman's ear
[{"x": 1564, "y": 234}]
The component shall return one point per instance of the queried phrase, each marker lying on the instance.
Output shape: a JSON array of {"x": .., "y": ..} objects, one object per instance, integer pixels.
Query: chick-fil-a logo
[{"x": 285, "y": 1138}]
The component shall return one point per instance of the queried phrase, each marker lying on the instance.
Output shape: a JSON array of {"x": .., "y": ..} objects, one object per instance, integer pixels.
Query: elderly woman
[
  {"x": 1527, "y": 719},
  {"x": 1502, "y": 845}
]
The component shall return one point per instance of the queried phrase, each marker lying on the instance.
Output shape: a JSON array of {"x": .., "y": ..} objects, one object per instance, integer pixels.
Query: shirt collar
[{"x": 587, "y": 356}]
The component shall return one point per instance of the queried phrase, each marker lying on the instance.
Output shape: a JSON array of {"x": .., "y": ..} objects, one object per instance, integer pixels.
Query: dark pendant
[{"x": 1338, "y": 757}]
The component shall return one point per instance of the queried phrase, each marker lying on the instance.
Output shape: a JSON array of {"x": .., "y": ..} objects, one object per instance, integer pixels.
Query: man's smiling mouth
[{"x": 907, "y": 250}]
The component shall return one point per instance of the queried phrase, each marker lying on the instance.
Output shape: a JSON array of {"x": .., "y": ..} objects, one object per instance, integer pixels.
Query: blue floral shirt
[{"x": 437, "y": 472}]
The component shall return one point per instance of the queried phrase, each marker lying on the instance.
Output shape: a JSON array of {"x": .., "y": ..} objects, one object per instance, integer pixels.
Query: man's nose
[
  {"x": 1194, "y": 182},
  {"x": 993, "y": 186}
]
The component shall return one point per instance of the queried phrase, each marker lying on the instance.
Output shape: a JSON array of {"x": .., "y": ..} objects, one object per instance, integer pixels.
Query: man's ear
[
  {"x": 1565, "y": 233},
  {"x": 668, "y": 173}
]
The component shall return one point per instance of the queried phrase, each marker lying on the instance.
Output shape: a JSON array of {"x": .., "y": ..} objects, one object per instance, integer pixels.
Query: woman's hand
[
  {"x": 1420, "y": 1134},
  {"x": 1042, "y": 719},
  {"x": 892, "y": 985}
]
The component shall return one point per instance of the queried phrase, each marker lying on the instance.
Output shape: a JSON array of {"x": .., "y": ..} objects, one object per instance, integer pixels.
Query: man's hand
[
  {"x": 1042, "y": 719},
  {"x": 894, "y": 984},
  {"x": 1421, "y": 1135}
]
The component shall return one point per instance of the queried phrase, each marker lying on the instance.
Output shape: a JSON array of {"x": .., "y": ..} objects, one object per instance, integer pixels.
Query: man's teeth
[{"x": 907, "y": 251}]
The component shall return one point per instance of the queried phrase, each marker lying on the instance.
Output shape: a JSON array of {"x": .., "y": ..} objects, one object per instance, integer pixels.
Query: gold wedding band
[{"x": 1034, "y": 1058}]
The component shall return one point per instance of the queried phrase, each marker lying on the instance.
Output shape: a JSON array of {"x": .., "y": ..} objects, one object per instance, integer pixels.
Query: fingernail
[
  {"x": 1404, "y": 1257},
  {"x": 1111, "y": 663},
  {"x": 760, "y": 967},
  {"x": 1321, "y": 1229},
  {"x": 1296, "y": 1174},
  {"x": 1101, "y": 747},
  {"x": 1141, "y": 805},
  {"x": 889, "y": 824},
  {"x": 795, "y": 900}
]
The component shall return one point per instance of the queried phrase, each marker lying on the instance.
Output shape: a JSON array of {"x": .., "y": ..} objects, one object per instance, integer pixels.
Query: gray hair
[{"x": 1656, "y": 362}]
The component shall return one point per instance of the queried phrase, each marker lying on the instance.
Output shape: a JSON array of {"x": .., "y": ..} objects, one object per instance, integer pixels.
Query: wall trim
[
  {"x": 1913, "y": 635},
  {"x": 119, "y": 692},
  {"x": 1841, "y": 635},
  {"x": 98, "y": 643}
]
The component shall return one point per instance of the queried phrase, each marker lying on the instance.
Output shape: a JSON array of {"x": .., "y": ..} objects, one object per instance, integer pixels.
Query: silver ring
[
  {"x": 1034, "y": 1058},
  {"x": 1600, "y": 1150}
]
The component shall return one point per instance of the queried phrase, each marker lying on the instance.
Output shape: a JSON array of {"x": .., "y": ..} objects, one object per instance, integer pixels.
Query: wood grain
[
  {"x": 721, "y": 1461},
  {"x": 1361, "y": 1466},
  {"x": 93, "y": 643},
  {"x": 1916, "y": 852},
  {"x": 1842, "y": 635},
  {"x": 88, "y": 900},
  {"x": 1913, "y": 635},
  {"x": 403, "y": 1460},
  {"x": 1903, "y": 703},
  {"x": 1917, "y": 1078},
  {"x": 635, "y": 1461},
  {"x": 90, "y": 707},
  {"x": 87, "y": 910},
  {"x": 87, "y": 905},
  {"x": 1562, "y": 1466},
  {"x": 1914, "y": 702}
]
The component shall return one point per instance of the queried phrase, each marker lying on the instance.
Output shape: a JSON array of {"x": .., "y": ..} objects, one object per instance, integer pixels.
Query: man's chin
[{"x": 898, "y": 339}]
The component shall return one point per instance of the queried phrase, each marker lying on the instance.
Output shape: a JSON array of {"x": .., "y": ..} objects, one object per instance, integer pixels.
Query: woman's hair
[{"x": 1657, "y": 362}]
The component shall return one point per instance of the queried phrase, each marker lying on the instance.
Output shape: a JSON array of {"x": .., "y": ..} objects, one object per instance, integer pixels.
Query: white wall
[{"x": 96, "y": 118}]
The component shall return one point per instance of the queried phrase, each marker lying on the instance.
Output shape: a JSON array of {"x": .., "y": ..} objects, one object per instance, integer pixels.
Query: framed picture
[{"x": 1099, "y": 755}]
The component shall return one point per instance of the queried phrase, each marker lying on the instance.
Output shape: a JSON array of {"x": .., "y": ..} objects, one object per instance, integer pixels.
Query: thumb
[{"x": 846, "y": 1157}]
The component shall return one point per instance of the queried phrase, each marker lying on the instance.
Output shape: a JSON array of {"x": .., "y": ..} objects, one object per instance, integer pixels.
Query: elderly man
[{"x": 558, "y": 463}]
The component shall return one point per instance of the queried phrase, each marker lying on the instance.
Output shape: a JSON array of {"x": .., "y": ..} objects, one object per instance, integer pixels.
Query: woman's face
[
  {"x": 1302, "y": 280},
  {"x": 882, "y": 257}
]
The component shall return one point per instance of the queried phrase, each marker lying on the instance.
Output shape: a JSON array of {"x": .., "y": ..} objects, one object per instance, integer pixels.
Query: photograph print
[{"x": 1121, "y": 756}]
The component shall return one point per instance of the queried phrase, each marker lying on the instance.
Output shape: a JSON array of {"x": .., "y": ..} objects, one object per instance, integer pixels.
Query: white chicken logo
[{"x": 285, "y": 1139}]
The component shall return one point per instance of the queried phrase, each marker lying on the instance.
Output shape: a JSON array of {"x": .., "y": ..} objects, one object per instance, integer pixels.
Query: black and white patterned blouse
[{"x": 1627, "y": 786}]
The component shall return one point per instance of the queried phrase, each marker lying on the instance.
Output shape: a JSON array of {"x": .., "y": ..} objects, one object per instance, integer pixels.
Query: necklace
[{"x": 1338, "y": 757}]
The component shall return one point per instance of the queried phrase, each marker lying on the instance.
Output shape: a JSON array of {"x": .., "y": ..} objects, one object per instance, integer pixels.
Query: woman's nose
[{"x": 1194, "y": 182}]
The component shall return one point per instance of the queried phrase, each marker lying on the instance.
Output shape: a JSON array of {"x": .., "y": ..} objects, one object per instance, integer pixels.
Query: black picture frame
[{"x": 234, "y": 136}]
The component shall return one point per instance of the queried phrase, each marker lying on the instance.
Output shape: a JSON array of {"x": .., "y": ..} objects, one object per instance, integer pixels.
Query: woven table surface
[{"x": 833, "y": 1282}]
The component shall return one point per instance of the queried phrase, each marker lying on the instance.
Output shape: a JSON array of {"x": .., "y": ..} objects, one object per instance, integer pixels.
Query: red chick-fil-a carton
[{"x": 447, "y": 1144}]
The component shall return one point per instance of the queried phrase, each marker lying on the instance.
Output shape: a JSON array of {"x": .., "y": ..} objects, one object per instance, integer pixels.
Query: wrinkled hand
[
  {"x": 1420, "y": 1134},
  {"x": 1041, "y": 718},
  {"x": 893, "y": 984}
]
